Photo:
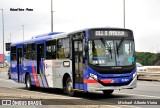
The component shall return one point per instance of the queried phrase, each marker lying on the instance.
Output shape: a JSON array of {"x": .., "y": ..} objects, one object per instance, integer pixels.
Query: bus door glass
[
  {"x": 78, "y": 62},
  {"x": 40, "y": 58},
  {"x": 19, "y": 64}
]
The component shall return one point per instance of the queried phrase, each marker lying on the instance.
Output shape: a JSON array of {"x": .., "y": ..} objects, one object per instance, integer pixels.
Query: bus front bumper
[{"x": 99, "y": 87}]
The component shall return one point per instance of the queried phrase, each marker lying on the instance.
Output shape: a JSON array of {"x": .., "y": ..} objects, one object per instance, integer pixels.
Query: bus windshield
[{"x": 111, "y": 52}]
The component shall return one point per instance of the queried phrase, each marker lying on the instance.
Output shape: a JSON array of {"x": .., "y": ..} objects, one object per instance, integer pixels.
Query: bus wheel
[
  {"x": 108, "y": 92},
  {"x": 69, "y": 87},
  {"x": 28, "y": 82}
]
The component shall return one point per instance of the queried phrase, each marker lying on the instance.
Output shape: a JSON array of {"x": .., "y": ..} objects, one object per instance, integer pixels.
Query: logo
[
  {"x": 125, "y": 80},
  {"x": 6, "y": 102},
  {"x": 131, "y": 59}
]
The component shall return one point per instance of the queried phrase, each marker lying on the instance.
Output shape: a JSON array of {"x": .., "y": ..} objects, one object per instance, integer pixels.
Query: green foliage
[{"x": 147, "y": 58}]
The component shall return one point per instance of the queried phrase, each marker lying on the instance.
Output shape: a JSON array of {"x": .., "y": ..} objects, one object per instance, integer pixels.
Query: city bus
[{"x": 93, "y": 59}]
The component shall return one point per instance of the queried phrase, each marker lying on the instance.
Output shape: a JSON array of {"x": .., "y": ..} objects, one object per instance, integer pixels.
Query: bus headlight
[
  {"x": 93, "y": 76},
  {"x": 134, "y": 74}
]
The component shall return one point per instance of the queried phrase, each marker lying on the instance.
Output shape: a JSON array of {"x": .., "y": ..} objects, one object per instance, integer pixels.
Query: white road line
[
  {"x": 139, "y": 95},
  {"x": 8, "y": 80},
  {"x": 150, "y": 85},
  {"x": 48, "y": 94}
]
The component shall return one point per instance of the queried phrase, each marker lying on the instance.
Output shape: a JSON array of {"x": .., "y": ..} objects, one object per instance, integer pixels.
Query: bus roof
[
  {"x": 55, "y": 35},
  {"x": 40, "y": 38},
  {"x": 113, "y": 28}
]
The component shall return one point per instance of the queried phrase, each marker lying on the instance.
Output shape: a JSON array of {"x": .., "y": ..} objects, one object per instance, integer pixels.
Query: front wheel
[
  {"x": 69, "y": 87},
  {"x": 108, "y": 92},
  {"x": 9, "y": 75}
]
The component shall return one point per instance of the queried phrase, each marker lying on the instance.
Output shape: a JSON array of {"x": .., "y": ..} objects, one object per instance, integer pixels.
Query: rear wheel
[
  {"x": 69, "y": 87},
  {"x": 28, "y": 82},
  {"x": 108, "y": 92}
]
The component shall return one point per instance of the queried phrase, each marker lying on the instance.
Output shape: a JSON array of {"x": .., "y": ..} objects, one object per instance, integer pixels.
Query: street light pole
[
  {"x": 51, "y": 17},
  {"x": 10, "y": 37},
  {"x": 3, "y": 35},
  {"x": 124, "y": 12},
  {"x": 23, "y": 31}
]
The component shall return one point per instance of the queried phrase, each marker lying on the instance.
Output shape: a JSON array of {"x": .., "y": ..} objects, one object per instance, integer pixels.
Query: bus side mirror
[{"x": 86, "y": 47}]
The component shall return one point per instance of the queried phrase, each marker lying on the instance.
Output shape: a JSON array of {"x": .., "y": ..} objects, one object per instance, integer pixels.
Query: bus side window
[
  {"x": 29, "y": 51},
  {"x": 51, "y": 49},
  {"x": 63, "y": 48}
]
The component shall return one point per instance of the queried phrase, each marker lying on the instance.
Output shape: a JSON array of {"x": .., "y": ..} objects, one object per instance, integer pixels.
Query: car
[
  {"x": 9, "y": 73},
  {"x": 140, "y": 69}
]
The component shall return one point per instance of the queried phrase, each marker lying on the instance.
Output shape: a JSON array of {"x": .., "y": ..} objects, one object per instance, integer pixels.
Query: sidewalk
[{"x": 5, "y": 69}]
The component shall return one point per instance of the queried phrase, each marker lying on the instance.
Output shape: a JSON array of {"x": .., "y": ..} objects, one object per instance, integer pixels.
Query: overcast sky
[{"x": 142, "y": 16}]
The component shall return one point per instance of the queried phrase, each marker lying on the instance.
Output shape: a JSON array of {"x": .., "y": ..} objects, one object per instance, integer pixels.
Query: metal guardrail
[{"x": 151, "y": 76}]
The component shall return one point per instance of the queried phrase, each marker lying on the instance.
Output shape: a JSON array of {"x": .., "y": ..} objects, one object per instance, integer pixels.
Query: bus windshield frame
[{"x": 107, "y": 50}]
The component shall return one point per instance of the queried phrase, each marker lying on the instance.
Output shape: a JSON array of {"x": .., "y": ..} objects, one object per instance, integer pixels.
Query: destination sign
[{"x": 110, "y": 33}]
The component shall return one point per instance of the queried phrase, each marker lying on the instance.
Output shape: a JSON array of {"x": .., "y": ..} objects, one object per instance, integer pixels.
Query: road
[{"x": 144, "y": 90}]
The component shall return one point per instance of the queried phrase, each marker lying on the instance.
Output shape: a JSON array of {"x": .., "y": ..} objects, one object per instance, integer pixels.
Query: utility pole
[
  {"x": 51, "y": 17},
  {"x": 10, "y": 37},
  {"x": 3, "y": 35},
  {"x": 124, "y": 12}
]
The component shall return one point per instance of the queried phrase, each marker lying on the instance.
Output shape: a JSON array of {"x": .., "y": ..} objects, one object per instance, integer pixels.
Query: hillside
[{"x": 148, "y": 59}]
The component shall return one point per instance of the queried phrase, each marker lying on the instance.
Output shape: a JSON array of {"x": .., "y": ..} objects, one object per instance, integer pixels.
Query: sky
[{"x": 142, "y": 16}]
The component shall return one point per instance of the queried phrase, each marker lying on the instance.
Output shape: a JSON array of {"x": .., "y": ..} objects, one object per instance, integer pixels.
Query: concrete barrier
[
  {"x": 151, "y": 76},
  {"x": 152, "y": 66},
  {"x": 152, "y": 73}
]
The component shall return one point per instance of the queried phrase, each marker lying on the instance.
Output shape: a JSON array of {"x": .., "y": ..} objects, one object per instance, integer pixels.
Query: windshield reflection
[{"x": 111, "y": 52}]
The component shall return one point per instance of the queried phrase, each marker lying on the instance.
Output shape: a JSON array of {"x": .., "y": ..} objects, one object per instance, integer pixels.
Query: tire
[
  {"x": 108, "y": 92},
  {"x": 28, "y": 82},
  {"x": 64, "y": 90},
  {"x": 9, "y": 75},
  {"x": 69, "y": 87}
]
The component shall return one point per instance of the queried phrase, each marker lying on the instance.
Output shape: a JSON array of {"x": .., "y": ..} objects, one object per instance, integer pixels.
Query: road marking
[
  {"x": 139, "y": 95},
  {"x": 6, "y": 79},
  {"x": 49, "y": 94},
  {"x": 153, "y": 85},
  {"x": 150, "y": 84}
]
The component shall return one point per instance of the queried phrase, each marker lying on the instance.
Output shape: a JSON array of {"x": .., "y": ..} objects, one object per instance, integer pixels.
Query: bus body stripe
[
  {"x": 40, "y": 81},
  {"x": 96, "y": 82},
  {"x": 35, "y": 76},
  {"x": 44, "y": 81}
]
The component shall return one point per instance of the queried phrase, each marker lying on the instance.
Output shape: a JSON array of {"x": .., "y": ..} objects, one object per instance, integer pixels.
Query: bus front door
[
  {"x": 19, "y": 64},
  {"x": 78, "y": 65}
]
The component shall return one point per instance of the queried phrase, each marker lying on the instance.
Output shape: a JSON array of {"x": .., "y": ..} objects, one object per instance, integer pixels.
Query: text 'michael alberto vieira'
[
  {"x": 137, "y": 102},
  {"x": 21, "y": 9}
]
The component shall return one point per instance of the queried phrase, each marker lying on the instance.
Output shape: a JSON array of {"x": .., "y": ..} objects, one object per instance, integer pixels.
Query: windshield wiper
[
  {"x": 118, "y": 46},
  {"x": 120, "y": 43},
  {"x": 103, "y": 42},
  {"x": 117, "y": 49}
]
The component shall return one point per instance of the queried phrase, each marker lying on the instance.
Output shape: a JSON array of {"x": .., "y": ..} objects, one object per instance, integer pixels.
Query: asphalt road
[{"x": 144, "y": 90}]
